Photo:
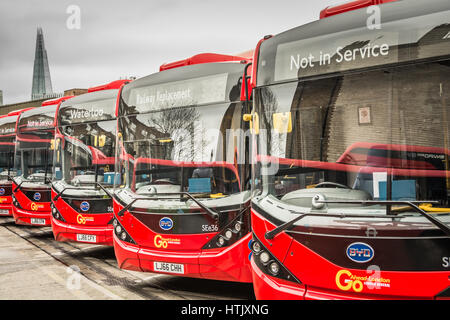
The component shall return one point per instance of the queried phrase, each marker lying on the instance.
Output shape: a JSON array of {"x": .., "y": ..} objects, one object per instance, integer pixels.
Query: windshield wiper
[
  {"x": 211, "y": 212},
  {"x": 271, "y": 234}
]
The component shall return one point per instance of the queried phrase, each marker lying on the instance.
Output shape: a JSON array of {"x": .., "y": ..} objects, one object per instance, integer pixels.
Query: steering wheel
[{"x": 332, "y": 184}]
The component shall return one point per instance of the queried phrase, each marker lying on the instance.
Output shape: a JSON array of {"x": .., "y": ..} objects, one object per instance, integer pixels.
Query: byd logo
[
  {"x": 360, "y": 252},
  {"x": 84, "y": 206},
  {"x": 2, "y": 191},
  {"x": 166, "y": 223},
  {"x": 37, "y": 196}
]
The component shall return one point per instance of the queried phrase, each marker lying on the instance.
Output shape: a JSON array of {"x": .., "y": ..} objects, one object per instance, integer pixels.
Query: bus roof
[
  {"x": 17, "y": 112},
  {"x": 410, "y": 30},
  {"x": 55, "y": 101}
]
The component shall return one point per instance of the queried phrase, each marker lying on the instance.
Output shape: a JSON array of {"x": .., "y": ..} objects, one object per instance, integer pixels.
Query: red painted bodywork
[
  {"x": 202, "y": 58},
  {"x": 229, "y": 263},
  {"x": 77, "y": 223},
  {"x": 319, "y": 276},
  {"x": 110, "y": 86},
  {"x": 350, "y": 6}
]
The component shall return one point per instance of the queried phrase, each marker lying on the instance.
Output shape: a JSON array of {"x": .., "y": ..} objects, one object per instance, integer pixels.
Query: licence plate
[
  {"x": 4, "y": 211},
  {"x": 168, "y": 267},
  {"x": 37, "y": 221},
  {"x": 87, "y": 237}
]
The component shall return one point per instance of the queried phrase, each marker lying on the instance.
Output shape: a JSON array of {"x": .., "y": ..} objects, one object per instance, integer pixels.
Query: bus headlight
[
  {"x": 228, "y": 234},
  {"x": 274, "y": 268},
  {"x": 221, "y": 241},
  {"x": 256, "y": 247}
]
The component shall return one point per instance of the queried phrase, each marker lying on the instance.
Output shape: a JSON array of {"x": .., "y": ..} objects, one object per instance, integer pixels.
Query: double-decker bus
[
  {"x": 83, "y": 168},
  {"x": 7, "y": 146},
  {"x": 351, "y": 174},
  {"x": 33, "y": 161},
  {"x": 181, "y": 204}
]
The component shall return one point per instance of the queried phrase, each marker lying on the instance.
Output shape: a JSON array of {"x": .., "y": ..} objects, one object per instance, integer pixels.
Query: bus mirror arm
[
  {"x": 59, "y": 194},
  {"x": 18, "y": 186},
  {"x": 412, "y": 204},
  {"x": 245, "y": 83}
]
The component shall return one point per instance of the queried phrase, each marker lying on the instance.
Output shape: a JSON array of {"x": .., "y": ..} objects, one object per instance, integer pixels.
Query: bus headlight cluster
[
  {"x": 55, "y": 213},
  {"x": 120, "y": 232},
  {"x": 230, "y": 234},
  {"x": 268, "y": 264}
]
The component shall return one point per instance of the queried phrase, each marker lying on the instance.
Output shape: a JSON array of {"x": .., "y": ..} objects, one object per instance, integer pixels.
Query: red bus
[
  {"x": 7, "y": 146},
  {"x": 83, "y": 166},
  {"x": 351, "y": 178},
  {"x": 35, "y": 131},
  {"x": 182, "y": 201}
]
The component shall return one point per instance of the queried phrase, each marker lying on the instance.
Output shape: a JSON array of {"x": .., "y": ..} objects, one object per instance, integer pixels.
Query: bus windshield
[
  {"x": 86, "y": 152},
  {"x": 176, "y": 150},
  {"x": 374, "y": 135},
  {"x": 180, "y": 144},
  {"x": 34, "y": 153},
  {"x": 355, "y": 120}
]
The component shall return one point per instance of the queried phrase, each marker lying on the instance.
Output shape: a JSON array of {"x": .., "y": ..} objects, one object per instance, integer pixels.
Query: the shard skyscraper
[{"x": 42, "y": 84}]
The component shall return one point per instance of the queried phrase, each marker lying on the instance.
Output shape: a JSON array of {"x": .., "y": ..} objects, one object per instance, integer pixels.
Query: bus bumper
[
  {"x": 270, "y": 288},
  {"x": 23, "y": 217},
  {"x": 228, "y": 264},
  {"x": 6, "y": 208}
]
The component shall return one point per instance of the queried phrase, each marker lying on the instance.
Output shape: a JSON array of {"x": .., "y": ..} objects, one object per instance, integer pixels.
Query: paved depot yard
[{"x": 34, "y": 266}]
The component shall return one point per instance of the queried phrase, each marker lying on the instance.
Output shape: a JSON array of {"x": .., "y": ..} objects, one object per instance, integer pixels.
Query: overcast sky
[{"x": 118, "y": 39}]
